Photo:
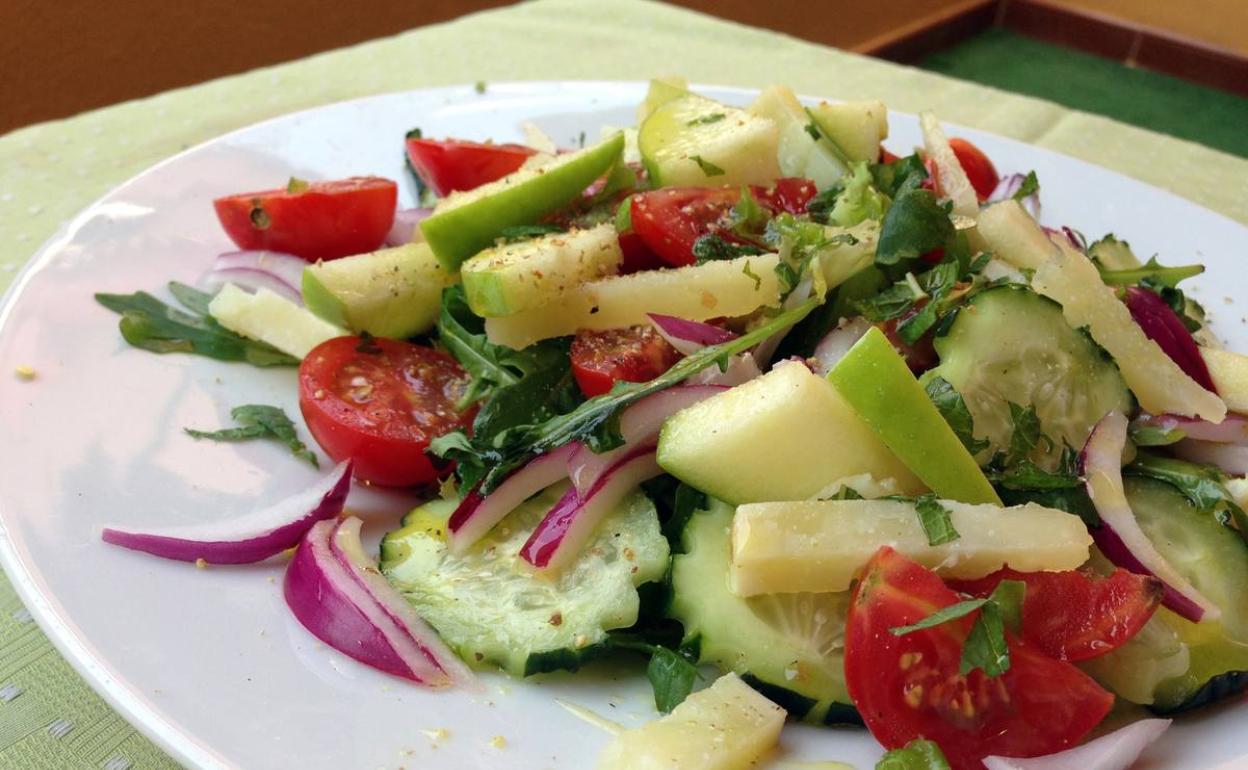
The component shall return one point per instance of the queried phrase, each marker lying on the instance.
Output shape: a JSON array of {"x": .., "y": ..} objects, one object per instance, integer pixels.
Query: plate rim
[{"x": 59, "y": 629}]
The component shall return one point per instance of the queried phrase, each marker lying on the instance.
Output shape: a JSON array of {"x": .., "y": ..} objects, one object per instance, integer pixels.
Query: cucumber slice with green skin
[
  {"x": 799, "y": 154},
  {"x": 811, "y": 435},
  {"x": 791, "y": 644},
  {"x": 692, "y": 141},
  {"x": 1109, "y": 253},
  {"x": 875, "y": 380},
  {"x": 388, "y": 293},
  {"x": 1009, "y": 344},
  {"x": 491, "y": 608},
  {"x": 520, "y": 276},
  {"x": 1215, "y": 560},
  {"x": 465, "y": 223}
]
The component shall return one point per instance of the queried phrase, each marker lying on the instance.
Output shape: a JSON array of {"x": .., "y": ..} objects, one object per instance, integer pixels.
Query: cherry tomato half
[
  {"x": 602, "y": 358},
  {"x": 324, "y": 220},
  {"x": 979, "y": 170},
  {"x": 908, "y": 687},
  {"x": 672, "y": 219},
  {"x": 1077, "y": 615},
  {"x": 380, "y": 402},
  {"x": 449, "y": 165}
]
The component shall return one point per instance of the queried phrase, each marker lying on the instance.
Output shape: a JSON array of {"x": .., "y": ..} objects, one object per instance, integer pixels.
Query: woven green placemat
[{"x": 49, "y": 718}]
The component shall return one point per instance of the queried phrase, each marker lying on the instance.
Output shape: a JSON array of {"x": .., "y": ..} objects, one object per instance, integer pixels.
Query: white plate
[{"x": 208, "y": 663}]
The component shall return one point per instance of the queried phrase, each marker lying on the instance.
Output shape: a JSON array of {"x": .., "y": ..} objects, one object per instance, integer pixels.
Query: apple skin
[
  {"x": 874, "y": 379},
  {"x": 521, "y": 198},
  {"x": 388, "y": 293}
]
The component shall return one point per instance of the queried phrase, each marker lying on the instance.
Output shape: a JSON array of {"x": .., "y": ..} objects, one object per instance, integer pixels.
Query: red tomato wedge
[
  {"x": 324, "y": 220},
  {"x": 380, "y": 402},
  {"x": 669, "y": 221},
  {"x": 1077, "y": 615},
  {"x": 908, "y": 687},
  {"x": 979, "y": 170},
  {"x": 451, "y": 165},
  {"x": 602, "y": 358}
]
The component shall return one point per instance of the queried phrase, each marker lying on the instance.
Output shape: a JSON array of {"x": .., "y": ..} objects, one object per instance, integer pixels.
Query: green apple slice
[
  {"x": 465, "y": 223},
  {"x": 692, "y": 141},
  {"x": 875, "y": 380},
  {"x": 520, "y": 276},
  {"x": 388, "y": 293}
]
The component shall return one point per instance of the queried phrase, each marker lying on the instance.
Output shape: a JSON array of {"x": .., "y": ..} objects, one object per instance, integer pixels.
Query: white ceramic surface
[{"x": 208, "y": 662}]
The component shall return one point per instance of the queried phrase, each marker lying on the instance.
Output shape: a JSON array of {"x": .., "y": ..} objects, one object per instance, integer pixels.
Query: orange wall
[{"x": 1221, "y": 23}]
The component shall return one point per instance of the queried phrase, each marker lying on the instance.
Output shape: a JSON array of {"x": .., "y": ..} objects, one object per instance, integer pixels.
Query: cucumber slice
[
  {"x": 791, "y": 646},
  {"x": 800, "y": 155},
  {"x": 491, "y": 608},
  {"x": 1008, "y": 344},
  {"x": 1109, "y": 253},
  {"x": 388, "y": 293},
  {"x": 784, "y": 436},
  {"x": 520, "y": 276},
  {"x": 271, "y": 318},
  {"x": 692, "y": 141}
]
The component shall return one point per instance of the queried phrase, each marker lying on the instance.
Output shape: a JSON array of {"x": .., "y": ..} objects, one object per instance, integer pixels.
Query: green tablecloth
[{"x": 48, "y": 717}]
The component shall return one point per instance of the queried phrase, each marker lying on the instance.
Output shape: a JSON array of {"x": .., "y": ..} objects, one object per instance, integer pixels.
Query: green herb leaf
[
  {"x": 748, "y": 216},
  {"x": 901, "y": 175},
  {"x": 686, "y": 502},
  {"x": 260, "y": 421},
  {"x": 1009, "y": 596},
  {"x": 595, "y": 421},
  {"x": 708, "y": 168},
  {"x": 710, "y": 248},
  {"x": 295, "y": 185},
  {"x": 918, "y": 754},
  {"x": 706, "y": 120},
  {"x": 985, "y": 648},
  {"x": 758, "y": 280},
  {"x": 1026, "y": 433},
  {"x": 479, "y": 86},
  {"x": 671, "y": 677},
  {"x": 527, "y": 232},
  {"x": 1202, "y": 485},
  {"x": 941, "y": 616},
  {"x": 1026, "y": 475},
  {"x": 1151, "y": 271},
  {"x": 150, "y": 324},
  {"x": 936, "y": 521},
  {"x": 953, "y": 408},
  {"x": 915, "y": 224},
  {"x": 1030, "y": 186}
]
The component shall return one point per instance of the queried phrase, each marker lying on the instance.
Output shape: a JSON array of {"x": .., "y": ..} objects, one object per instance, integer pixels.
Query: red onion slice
[
  {"x": 689, "y": 336},
  {"x": 476, "y": 514},
  {"x": 1230, "y": 458},
  {"x": 252, "y": 280},
  {"x": 406, "y": 221},
  {"x": 563, "y": 532},
  {"x": 836, "y": 343},
  {"x": 1232, "y": 430},
  {"x": 246, "y": 539},
  {"x": 639, "y": 425},
  {"x": 1008, "y": 187},
  {"x": 339, "y": 611},
  {"x": 1119, "y": 537},
  {"x": 346, "y": 547},
  {"x": 286, "y": 268},
  {"x": 1163, "y": 326},
  {"x": 1116, "y": 751},
  {"x": 741, "y": 368}
]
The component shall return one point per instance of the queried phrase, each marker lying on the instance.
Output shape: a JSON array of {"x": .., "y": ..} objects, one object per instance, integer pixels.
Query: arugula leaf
[
  {"x": 709, "y": 248},
  {"x": 903, "y": 174},
  {"x": 462, "y": 333},
  {"x": 918, "y": 754},
  {"x": 985, "y": 648},
  {"x": 548, "y": 390},
  {"x": 595, "y": 421},
  {"x": 526, "y": 232},
  {"x": 953, "y": 408},
  {"x": 1030, "y": 186},
  {"x": 935, "y": 519},
  {"x": 150, "y": 324},
  {"x": 686, "y": 502},
  {"x": 1151, "y": 271},
  {"x": 259, "y": 421},
  {"x": 941, "y": 616},
  {"x": 706, "y": 120},
  {"x": 915, "y": 224},
  {"x": 671, "y": 677},
  {"x": 1202, "y": 485},
  {"x": 708, "y": 168}
]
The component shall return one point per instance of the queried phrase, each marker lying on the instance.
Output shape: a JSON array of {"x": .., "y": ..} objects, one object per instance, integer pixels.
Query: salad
[{"x": 741, "y": 393}]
